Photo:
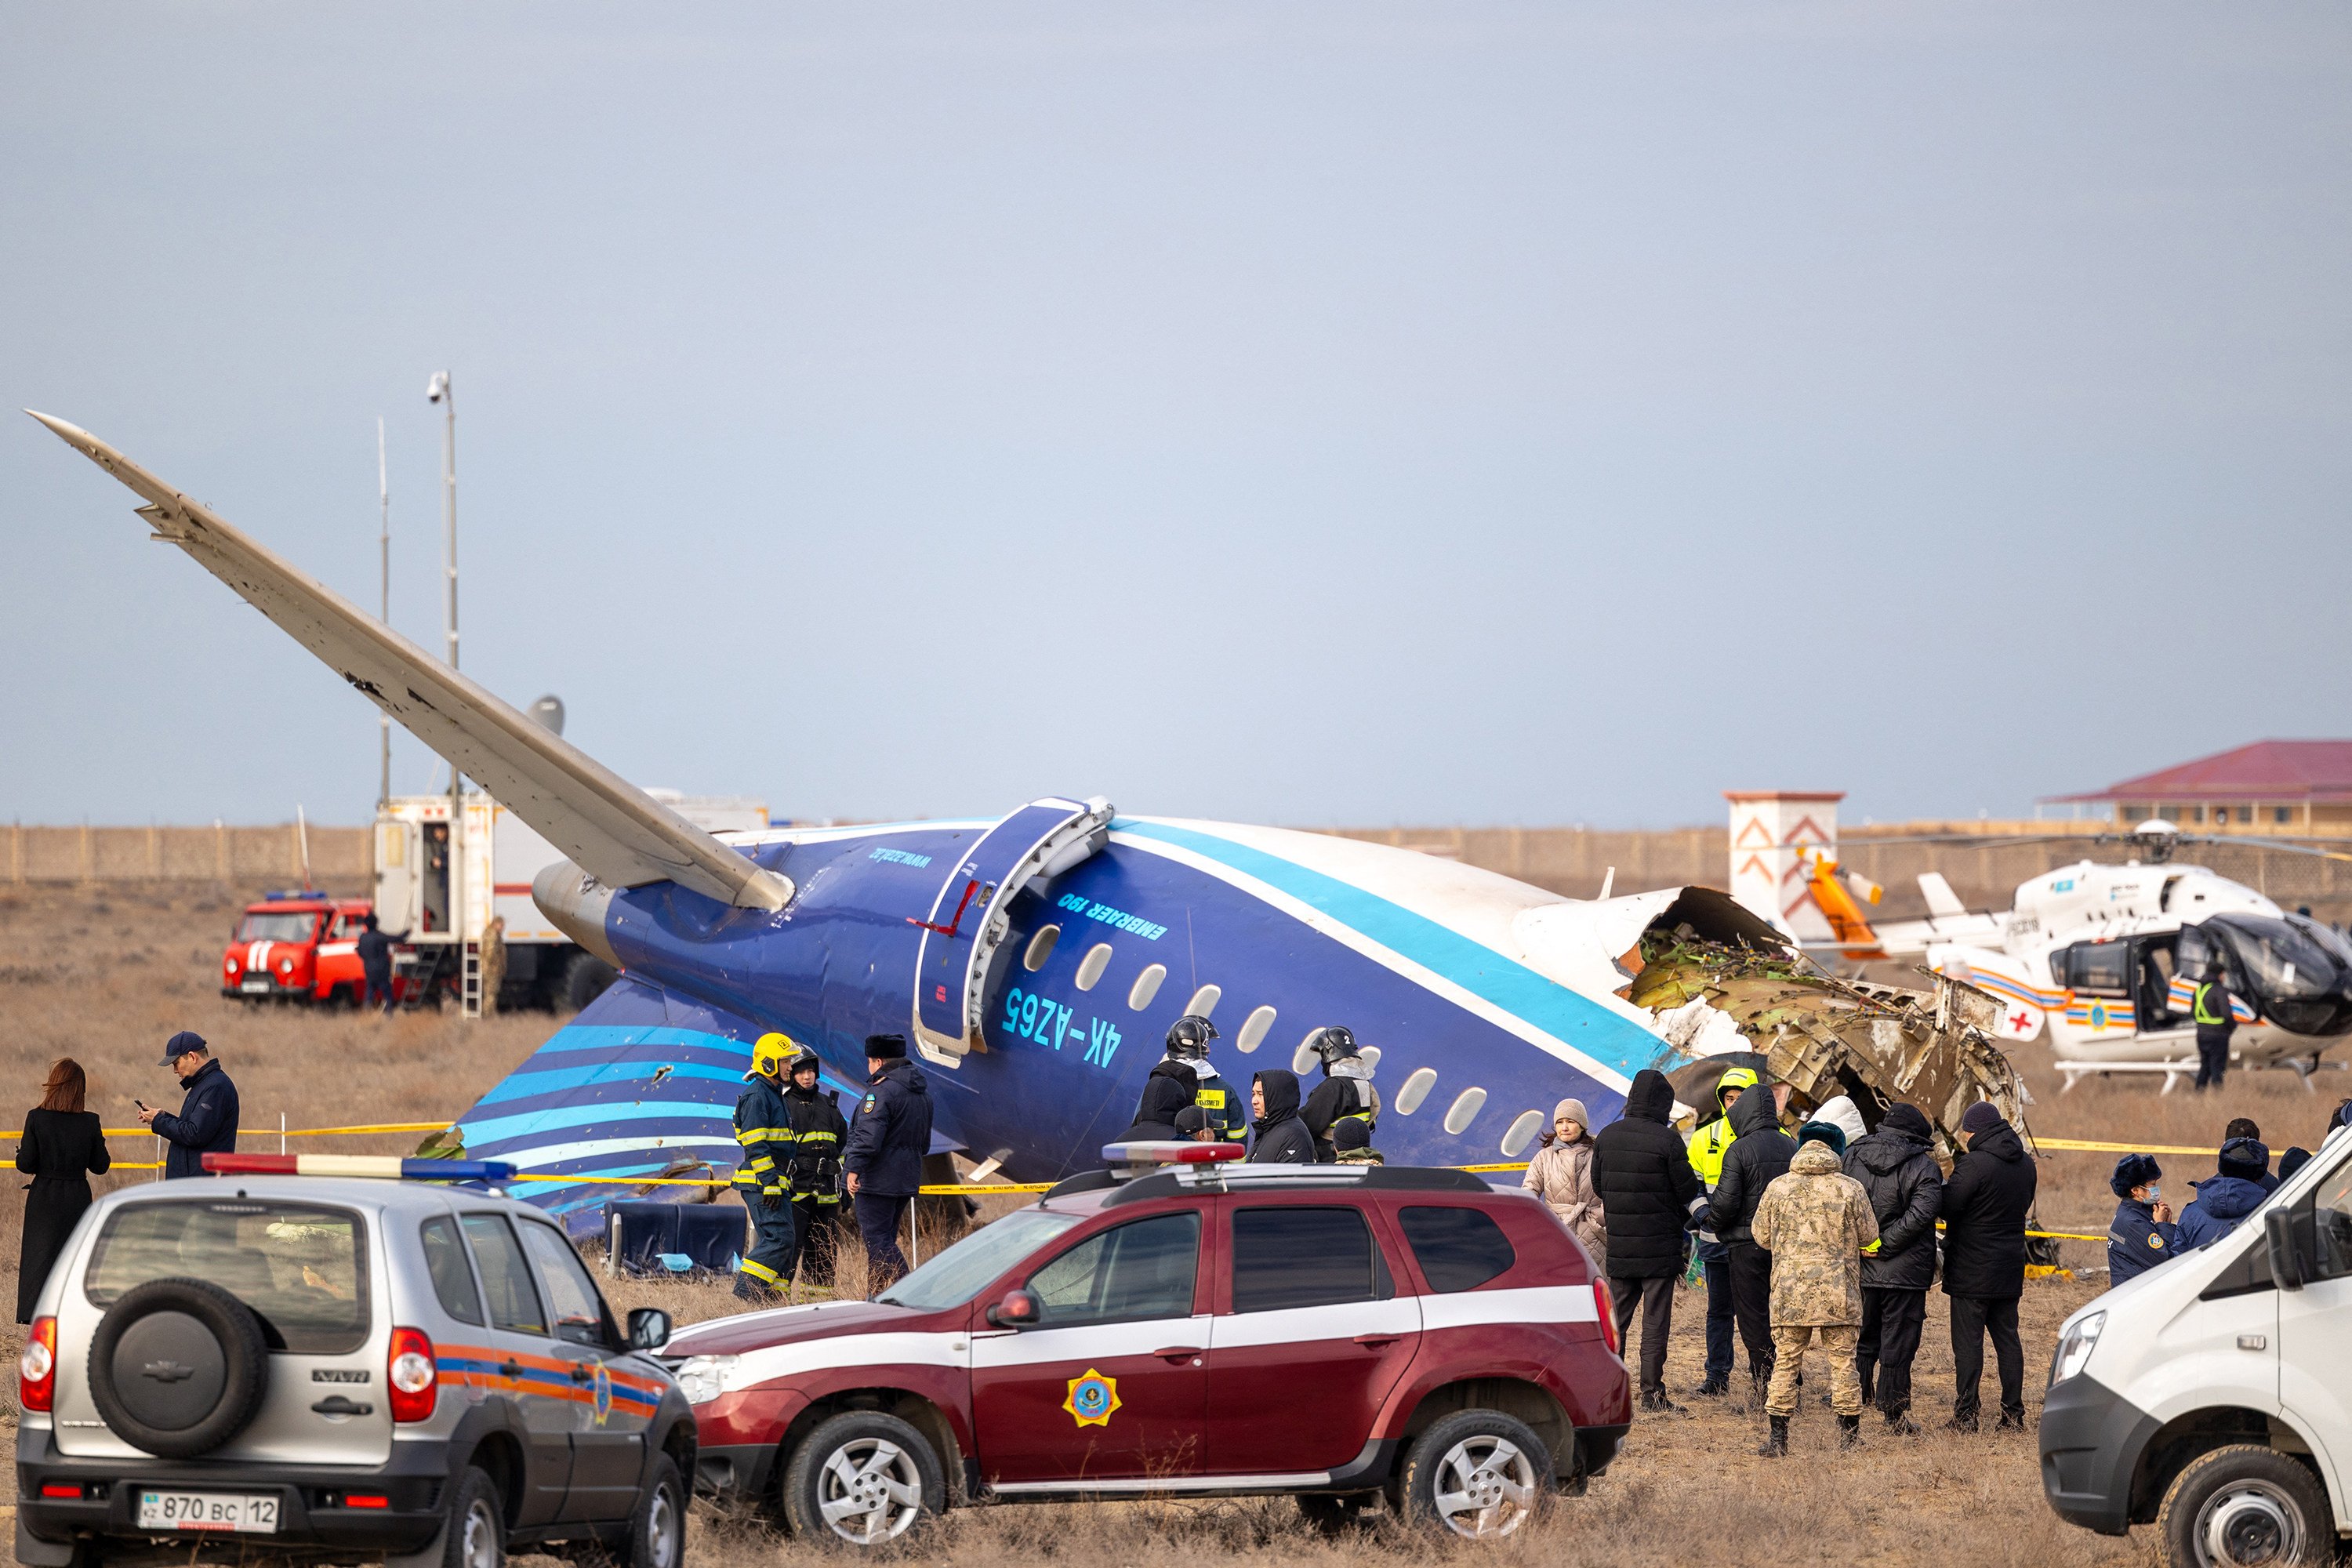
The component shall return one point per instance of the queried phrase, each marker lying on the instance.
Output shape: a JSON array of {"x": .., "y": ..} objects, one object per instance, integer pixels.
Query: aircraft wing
[{"x": 609, "y": 828}]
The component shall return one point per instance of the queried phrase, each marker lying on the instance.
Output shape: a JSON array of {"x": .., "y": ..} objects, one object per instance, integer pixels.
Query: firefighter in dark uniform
[
  {"x": 763, "y": 1127},
  {"x": 2215, "y": 1024},
  {"x": 1174, "y": 1082},
  {"x": 815, "y": 1173},
  {"x": 1345, "y": 1092}
]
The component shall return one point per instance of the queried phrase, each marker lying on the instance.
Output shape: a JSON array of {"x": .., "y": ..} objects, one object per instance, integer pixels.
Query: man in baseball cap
[{"x": 206, "y": 1123}]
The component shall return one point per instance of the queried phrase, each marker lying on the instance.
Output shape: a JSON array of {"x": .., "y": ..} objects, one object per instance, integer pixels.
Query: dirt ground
[{"x": 107, "y": 976}]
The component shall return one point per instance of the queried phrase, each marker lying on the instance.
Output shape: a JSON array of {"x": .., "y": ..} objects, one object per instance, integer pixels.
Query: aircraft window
[
  {"x": 1253, "y": 1029},
  {"x": 1091, "y": 967},
  {"x": 1303, "y": 1059},
  {"x": 1041, "y": 947},
  {"x": 1145, "y": 986},
  {"x": 1522, "y": 1133},
  {"x": 1416, "y": 1090},
  {"x": 1203, "y": 1000},
  {"x": 1372, "y": 1055},
  {"x": 1466, "y": 1106}
]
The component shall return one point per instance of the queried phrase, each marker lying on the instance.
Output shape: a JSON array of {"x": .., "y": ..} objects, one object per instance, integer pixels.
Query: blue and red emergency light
[
  {"x": 1170, "y": 1151},
  {"x": 383, "y": 1167}
]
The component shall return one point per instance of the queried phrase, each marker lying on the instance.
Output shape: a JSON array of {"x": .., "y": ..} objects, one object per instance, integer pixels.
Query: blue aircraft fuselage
[{"x": 1475, "y": 1047}]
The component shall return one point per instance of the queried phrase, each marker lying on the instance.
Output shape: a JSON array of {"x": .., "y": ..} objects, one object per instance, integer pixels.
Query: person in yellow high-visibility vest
[
  {"x": 1707, "y": 1147},
  {"x": 2215, "y": 1024}
]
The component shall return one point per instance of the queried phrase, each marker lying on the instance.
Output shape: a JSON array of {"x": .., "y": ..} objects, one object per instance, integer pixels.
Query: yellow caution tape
[{"x": 2080, "y": 1146}]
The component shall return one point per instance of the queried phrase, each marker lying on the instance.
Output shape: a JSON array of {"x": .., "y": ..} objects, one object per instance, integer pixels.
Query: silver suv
[{"x": 345, "y": 1369}]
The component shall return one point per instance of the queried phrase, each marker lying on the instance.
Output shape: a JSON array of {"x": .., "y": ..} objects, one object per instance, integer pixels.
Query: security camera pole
[{"x": 438, "y": 390}]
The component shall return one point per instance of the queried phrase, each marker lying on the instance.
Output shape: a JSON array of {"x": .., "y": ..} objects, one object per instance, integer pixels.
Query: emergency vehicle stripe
[{"x": 1527, "y": 1304}]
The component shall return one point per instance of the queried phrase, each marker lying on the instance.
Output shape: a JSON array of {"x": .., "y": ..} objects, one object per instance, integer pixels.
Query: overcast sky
[{"x": 1309, "y": 413}]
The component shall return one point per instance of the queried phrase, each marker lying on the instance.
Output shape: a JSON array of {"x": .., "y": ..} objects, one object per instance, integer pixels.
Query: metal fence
[{"x": 234, "y": 856}]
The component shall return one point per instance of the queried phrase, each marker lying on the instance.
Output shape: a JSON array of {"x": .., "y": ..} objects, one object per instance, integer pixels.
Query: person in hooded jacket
[
  {"x": 1649, "y": 1195},
  {"x": 1278, "y": 1136},
  {"x": 2246, "y": 1127},
  {"x": 2296, "y": 1158},
  {"x": 2224, "y": 1201},
  {"x": 883, "y": 1157},
  {"x": 1707, "y": 1147},
  {"x": 1561, "y": 1175},
  {"x": 1174, "y": 1082},
  {"x": 1815, "y": 1221},
  {"x": 1759, "y": 1156},
  {"x": 1984, "y": 1207},
  {"x": 1351, "y": 1142},
  {"x": 2142, "y": 1235},
  {"x": 1896, "y": 1167}
]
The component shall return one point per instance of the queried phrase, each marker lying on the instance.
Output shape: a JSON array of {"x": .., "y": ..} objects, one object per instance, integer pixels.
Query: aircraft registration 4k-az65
[{"x": 1034, "y": 961}]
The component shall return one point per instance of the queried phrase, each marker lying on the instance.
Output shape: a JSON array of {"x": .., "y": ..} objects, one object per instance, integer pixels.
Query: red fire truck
[{"x": 297, "y": 946}]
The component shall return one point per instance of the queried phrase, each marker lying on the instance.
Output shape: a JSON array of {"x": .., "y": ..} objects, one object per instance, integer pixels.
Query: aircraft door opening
[
  {"x": 968, "y": 918},
  {"x": 2154, "y": 963}
]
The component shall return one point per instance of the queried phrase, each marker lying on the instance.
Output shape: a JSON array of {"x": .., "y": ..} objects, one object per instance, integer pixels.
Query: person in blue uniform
[
  {"x": 206, "y": 1123},
  {"x": 887, "y": 1140},
  {"x": 763, "y": 1127},
  {"x": 2142, "y": 1235}
]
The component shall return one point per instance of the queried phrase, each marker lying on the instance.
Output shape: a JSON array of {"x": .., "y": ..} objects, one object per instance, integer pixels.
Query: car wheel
[
  {"x": 862, "y": 1478},
  {"x": 473, "y": 1528},
  {"x": 178, "y": 1367},
  {"x": 1478, "y": 1473},
  {"x": 2246, "y": 1506},
  {"x": 657, "y": 1529}
]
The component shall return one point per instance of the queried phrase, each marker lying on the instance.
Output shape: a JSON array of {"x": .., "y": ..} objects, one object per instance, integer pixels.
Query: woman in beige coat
[{"x": 1561, "y": 1174}]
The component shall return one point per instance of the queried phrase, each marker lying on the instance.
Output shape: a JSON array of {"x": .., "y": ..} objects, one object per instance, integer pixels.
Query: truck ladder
[{"x": 469, "y": 982}]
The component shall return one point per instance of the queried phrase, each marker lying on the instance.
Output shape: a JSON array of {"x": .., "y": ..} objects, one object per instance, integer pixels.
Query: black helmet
[
  {"x": 1189, "y": 1037},
  {"x": 804, "y": 1057},
  {"x": 1333, "y": 1042}
]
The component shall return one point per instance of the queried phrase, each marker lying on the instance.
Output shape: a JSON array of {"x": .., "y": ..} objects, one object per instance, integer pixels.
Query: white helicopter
[{"x": 2107, "y": 959}]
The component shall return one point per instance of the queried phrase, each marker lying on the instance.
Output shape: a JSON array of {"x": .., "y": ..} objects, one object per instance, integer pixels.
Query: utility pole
[
  {"x": 384, "y": 605},
  {"x": 438, "y": 390}
]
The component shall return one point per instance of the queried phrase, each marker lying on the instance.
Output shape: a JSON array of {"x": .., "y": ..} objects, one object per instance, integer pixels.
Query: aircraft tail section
[{"x": 612, "y": 829}]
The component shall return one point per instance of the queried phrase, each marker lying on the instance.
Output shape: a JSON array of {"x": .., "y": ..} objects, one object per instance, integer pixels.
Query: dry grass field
[{"x": 107, "y": 976}]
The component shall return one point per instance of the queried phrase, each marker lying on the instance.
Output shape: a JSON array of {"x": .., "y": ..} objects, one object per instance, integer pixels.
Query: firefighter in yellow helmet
[
  {"x": 1707, "y": 1147},
  {"x": 764, "y": 1129}
]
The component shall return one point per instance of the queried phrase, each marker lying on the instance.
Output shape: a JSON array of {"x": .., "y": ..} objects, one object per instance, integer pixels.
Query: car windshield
[
  {"x": 957, "y": 1275},
  {"x": 278, "y": 925},
  {"x": 302, "y": 1270}
]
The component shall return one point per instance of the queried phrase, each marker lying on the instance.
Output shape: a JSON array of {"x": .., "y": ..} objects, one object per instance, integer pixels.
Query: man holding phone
[{"x": 206, "y": 1123}]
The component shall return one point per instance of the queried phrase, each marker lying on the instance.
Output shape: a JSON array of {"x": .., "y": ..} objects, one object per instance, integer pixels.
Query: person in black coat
[
  {"x": 1649, "y": 1195},
  {"x": 1896, "y": 1166},
  {"x": 1758, "y": 1154},
  {"x": 883, "y": 1157},
  {"x": 1984, "y": 1208},
  {"x": 206, "y": 1123},
  {"x": 1174, "y": 1081},
  {"x": 1277, "y": 1135},
  {"x": 374, "y": 950},
  {"x": 61, "y": 1150}
]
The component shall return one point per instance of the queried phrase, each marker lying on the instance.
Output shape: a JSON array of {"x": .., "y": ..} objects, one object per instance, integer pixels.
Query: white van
[{"x": 2212, "y": 1395}]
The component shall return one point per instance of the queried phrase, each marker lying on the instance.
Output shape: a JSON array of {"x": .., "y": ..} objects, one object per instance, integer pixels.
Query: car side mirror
[
  {"x": 2287, "y": 1262},
  {"x": 649, "y": 1329},
  {"x": 1019, "y": 1309}
]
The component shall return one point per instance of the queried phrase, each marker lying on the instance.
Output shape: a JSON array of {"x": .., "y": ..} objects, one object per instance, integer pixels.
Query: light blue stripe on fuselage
[
  {"x": 1569, "y": 1017},
  {"x": 522, "y": 1085}
]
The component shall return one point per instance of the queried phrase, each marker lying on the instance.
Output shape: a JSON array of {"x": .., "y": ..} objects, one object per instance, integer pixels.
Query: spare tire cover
[{"x": 178, "y": 1367}]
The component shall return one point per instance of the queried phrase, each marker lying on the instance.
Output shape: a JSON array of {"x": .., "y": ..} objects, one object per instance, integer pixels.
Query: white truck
[
  {"x": 498, "y": 855},
  {"x": 2211, "y": 1397}
]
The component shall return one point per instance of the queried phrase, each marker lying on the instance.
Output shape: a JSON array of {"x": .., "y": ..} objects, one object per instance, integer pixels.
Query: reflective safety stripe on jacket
[
  {"x": 2206, "y": 1012},
  {"x": 765, "y": 1131},
  {"x": 1224, "y": 1115},
  {"x": 1708, "y": 1145}
]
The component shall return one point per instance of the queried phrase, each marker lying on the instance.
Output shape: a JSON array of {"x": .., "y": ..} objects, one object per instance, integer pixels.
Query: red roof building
[{"x": 2299, "y": 786}]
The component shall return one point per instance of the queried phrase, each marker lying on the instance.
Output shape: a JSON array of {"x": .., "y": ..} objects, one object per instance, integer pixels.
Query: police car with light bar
[
  {"x": 329, "y": 1366},
  {"x": 1182, "y": 1326}
]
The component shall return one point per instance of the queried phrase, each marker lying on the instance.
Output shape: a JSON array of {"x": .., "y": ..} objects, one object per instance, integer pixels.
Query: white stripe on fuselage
[{"x": 1387, "y": 957}]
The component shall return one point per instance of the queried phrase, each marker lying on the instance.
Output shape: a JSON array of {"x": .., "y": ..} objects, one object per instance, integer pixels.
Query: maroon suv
[{"x": 1343, "y": 1332}]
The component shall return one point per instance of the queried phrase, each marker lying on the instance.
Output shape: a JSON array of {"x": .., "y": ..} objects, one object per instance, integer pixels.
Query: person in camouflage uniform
[{"x": 1815, "y": 1221}]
